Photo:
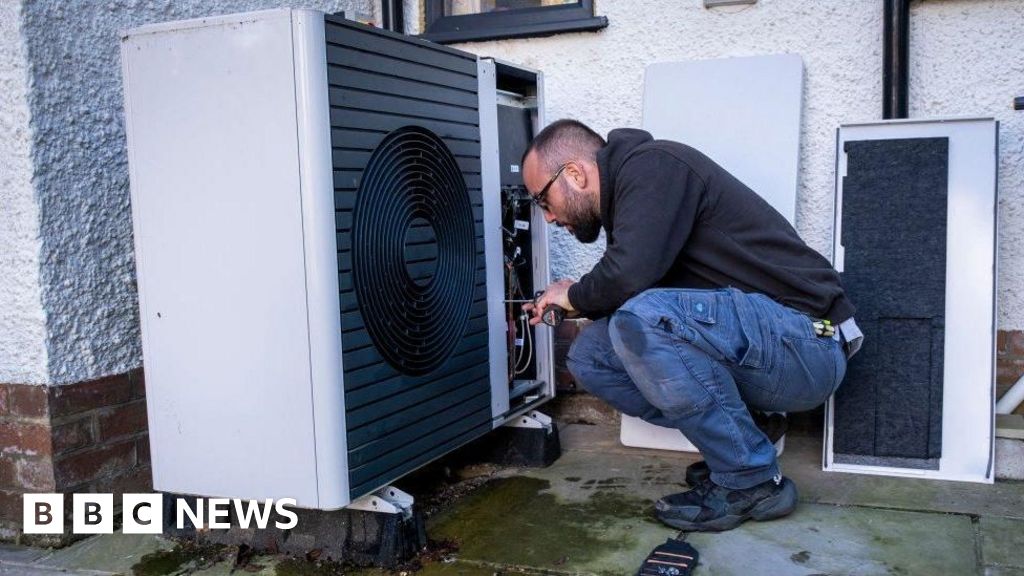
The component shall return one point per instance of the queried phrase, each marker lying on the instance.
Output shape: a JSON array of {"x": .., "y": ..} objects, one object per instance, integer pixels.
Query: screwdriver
[{"x": 552, "y": 315}]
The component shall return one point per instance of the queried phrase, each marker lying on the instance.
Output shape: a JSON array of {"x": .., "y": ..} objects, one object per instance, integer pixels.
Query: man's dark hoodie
[{"x": 674, "y": 218}]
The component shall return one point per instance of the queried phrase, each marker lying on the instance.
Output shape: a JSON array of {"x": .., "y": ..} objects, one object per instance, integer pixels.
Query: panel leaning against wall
[{"x": 915, "y": 242}]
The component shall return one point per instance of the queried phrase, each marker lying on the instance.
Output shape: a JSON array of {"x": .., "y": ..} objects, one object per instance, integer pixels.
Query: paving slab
[
  {"x": 31, "y": 570},
  {"x": 1003, "y": 571},
  {"x": 457, "y": 568},
  {"x": 801, "y": 461},
  {"x": 821, "y": 539},
  {"x": 1002, "y": 541},
  {"x": 588, "y": 513},
  {"x": 112, "y": 553},
  {"x": 12, "y": 554}
]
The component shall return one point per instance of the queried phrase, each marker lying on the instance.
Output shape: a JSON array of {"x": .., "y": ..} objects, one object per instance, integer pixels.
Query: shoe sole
[{"x": 782, "y": 504}]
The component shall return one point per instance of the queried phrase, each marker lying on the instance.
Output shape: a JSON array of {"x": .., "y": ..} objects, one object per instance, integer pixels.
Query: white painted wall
[
  {"x": 967, "y": 58},
  {"x": 22, "y": 321},
  {"x": 72, "y": 245}
]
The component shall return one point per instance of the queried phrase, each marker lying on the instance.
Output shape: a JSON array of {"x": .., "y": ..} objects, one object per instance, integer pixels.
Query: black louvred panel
[{"x": 409, "y": 215}]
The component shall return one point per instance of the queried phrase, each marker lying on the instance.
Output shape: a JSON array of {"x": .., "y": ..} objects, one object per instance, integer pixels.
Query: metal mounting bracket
[
  {"x": 532, "y": 419},
  {"x": 387, "y": 500}
]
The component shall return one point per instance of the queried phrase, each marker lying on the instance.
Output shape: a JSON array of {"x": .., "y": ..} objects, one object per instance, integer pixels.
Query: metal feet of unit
[
  {"x": 380, "y": 529},
  {"x": 533, "y": 420},
  {"x": 386, "y": 500},
  {"x": 395, "y": 531},
  {"x": 528, "y": 440}
]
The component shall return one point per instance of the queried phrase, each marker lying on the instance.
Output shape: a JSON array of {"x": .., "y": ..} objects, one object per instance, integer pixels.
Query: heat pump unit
[{"x": 323, "y": 273}]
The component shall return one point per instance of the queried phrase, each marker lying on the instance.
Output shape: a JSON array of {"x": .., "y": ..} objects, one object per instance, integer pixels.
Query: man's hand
[{"x": 557, "y": 294}]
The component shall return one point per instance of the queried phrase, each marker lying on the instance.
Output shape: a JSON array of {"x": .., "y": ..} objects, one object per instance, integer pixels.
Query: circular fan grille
[{"x": 413, "y": 250}]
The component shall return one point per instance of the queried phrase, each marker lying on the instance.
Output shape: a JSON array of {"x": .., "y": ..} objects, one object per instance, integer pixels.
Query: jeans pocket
[
  {"x": 692, "y": 318},
  {"x": 840, "y": 362},
  {"x": 702, "y": 306},
  {"x": 808, "y": 373},
  {"x": 753, "y": 323}
]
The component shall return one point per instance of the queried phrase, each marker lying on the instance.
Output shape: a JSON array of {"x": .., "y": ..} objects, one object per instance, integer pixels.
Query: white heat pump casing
[{"x": 232, "y": 183}]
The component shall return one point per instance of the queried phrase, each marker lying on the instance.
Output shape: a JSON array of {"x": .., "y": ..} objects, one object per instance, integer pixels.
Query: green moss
[
  {"x": 515, "y": 521},
  {"x": 302, "y": 567},
  {"x": 159, "y": 563},
  {"x": 456, "y": 569},
  {"x": 182, "y": 557}
]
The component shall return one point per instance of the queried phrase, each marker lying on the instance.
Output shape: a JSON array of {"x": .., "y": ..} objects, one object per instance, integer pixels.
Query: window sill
[{"x": 521, "y": 31}]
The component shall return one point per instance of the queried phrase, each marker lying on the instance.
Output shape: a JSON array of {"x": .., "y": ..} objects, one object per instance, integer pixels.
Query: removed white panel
[
  {"x": 968, "y": 420},
  {"x": 636, "y": 433},
  {"x": 744, "y": 113},
  {"x": 639, "y": 434}
]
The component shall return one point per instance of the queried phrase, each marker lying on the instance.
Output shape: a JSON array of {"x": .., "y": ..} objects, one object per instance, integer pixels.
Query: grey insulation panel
[{"x": 894, "y": 209}]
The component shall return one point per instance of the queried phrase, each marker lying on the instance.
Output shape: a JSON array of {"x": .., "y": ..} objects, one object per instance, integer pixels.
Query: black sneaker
[
  {"x": 774, "y": 427},
  {"x": 713, "y": 508},
  {"x": 697, "y": 473}
]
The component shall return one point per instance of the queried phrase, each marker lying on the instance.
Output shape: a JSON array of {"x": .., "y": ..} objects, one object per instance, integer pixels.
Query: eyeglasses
[{"x": 539, "y": 198}]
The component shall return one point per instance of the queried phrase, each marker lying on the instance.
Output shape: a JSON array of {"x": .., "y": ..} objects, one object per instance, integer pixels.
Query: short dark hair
[{"x": 564, "y": 141}]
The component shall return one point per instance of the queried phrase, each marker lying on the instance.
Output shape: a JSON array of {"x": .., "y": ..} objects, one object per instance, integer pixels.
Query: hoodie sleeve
[{"x": 656, "y": 203}]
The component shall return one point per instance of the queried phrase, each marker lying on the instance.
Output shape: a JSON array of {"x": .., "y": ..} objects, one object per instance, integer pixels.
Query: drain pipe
[
  {"x": 391, "y": 16},
  {"x": 1012, "y": 398},
  {"x": 896, "y": 52}
]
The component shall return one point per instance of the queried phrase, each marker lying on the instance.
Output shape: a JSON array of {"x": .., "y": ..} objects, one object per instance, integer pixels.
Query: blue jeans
[{"x": 695, "y": 360}]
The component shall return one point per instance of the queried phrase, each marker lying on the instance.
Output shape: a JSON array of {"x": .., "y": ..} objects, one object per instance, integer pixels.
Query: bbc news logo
[{"x": 144, "y": 513}]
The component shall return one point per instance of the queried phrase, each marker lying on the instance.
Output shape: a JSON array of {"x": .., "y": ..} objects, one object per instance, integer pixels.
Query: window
[{"x": 465, "y": 20}]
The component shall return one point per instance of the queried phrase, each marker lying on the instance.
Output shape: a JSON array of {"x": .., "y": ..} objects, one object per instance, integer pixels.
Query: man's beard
[{"x": 581, "y": 215}]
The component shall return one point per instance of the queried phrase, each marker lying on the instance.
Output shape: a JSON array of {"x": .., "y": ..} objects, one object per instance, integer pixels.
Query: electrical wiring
[
  {"x": 528, "y": 345},
  {"x": 517, "y": 273},
  {"x": 509, "y": 320}
]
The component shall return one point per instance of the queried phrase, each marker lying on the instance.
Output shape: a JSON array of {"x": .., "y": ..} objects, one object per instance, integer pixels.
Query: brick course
[
  {"x": 27, "y": 401},
  {"x": 85, "y": 437},
  {"x": 102, "y": 393},
  {"x": 124, "y": 420},
  {"x": 24, "y": 438},
  {"x": 93, "y": 464},
  {"x": 74, "y": 434}
]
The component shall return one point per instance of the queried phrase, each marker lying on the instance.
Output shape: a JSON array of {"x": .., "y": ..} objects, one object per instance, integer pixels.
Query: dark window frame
[{"x": 520, "y": 23}]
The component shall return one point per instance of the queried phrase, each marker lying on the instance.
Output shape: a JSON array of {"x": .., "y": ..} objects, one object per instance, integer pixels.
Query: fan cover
[{"x": 413, "y": 250}]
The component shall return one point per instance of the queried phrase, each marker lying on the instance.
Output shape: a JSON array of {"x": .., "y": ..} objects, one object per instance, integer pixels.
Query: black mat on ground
[{"x": 894, "y": 234}]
